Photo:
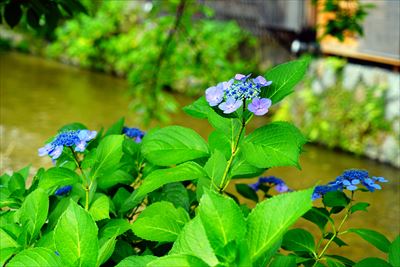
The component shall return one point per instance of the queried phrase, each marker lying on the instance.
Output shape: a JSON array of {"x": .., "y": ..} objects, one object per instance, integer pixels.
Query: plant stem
[
  {"x": 336, "y": 232},
  {"x": 87, "y": 198},
  {"x": 235, "y": 149},
  {"x": 84, "y": 179}
]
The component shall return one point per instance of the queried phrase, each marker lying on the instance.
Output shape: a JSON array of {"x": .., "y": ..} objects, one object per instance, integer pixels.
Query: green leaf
[
  {"x": 6, "y": 241},
  {"x": 16, "y": 185},
  {"x": 283, "y": 261},
  {"x": 33, "y": 213},
  {"x": 222, "y": 219},
  {"x": 114, "y": 227},
  {"x": 177, "y": 194},
  {"x": 359, "y": 206},
  {"x": 374, "y": 238},
  {"x": 273, "y": 145},
  {"x": 158, "y": 178},
  {"x": 334, "y": 263},
  {"x": 72, "y": 127},
  {"x": 116, "y": 128},
  {"x": 318, "y": 216},
  {"x": 75, "y": 237},
  {"x": 394, "y": 252},
  {"x": 120, "y": 197},
  {"x": 118, "y": 177},
  {"x": 178, "y": 261},
  {"x": 369, "y": 262},
  {"x": 46, "y": 241},
  {"x": 173, "y": 145},
  {"x": 108, "y": 155},
  {"x": 215, "y": 167},
  {"x": 241, "y": 168},
  {"x": 270, "y": 219},
  {"x": 342, "y": 259},
  {"x": 55, "y": 214},
  {"x": 137, "y": 261},
  {"x": 6, "y": 254},
  {"x": 336, "y": 239},
  {"x": 298, "y": 240},
  {"x": 198, "y": 109},
  {"x": 25, "y": 171},
  {"x": 193, "y": 240},
  {"x": 35, "y": 257},
  {"x": 58, "y": 177},
  {"x": 106, "y": 250},
  {"x": 284, "y": 78},
  {"x": 245, "y": 191},
  {"x": 218, "y": 140},
  {"x": 230, "y": 127},
  {"x": 160, "y": 222},
  {"x": 100, "y": 208},
  {"x": 335, "y": 199}
]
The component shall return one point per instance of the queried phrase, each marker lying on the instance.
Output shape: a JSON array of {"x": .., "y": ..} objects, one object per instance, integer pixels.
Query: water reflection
[{"x": 39, "y": 96}]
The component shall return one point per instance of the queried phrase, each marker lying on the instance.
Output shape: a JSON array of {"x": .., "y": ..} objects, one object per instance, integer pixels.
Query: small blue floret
[
  {"x": 134, "y": 133},
  {"x": 62, "y": 191}
]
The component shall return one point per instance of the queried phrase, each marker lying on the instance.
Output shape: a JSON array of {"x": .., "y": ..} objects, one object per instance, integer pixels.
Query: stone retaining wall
[{"x": 350, "y": 106}]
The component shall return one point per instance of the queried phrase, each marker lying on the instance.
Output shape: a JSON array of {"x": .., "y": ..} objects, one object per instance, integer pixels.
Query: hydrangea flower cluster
[
  {"x": 279, "y": 184},
  {"x": 78, "y": 138},
  {"x": 231, "y": 95},
  {"x": 62, "y": 191},
  {"x": 134, "y": 133},
  {"x": 350, "y": 180}
]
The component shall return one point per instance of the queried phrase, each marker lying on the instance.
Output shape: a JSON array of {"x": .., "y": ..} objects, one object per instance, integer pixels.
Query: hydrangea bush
[{"x": 124, "y": 197}]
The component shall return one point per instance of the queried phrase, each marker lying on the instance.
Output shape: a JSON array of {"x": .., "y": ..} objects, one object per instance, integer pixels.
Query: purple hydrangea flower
[
  {"x": 280, "y": 185},
  {"x": 241, "y": 77},
  {"x": 62, "y": 191},
  {"x": 260, "y": 80},
  {"x": 78, "y": 138},
  {"x": 215, "y": 95},
  {"x": 230, "y": 95},
  {"x": 231, "y": 105},
  {"x": 259, "y": 106},
  {"x": 134, "y": 133}
]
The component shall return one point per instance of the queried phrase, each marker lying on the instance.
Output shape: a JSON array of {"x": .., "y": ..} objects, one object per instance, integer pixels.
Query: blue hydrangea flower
[
  {"x": 261, "y": 81},
  {"x": 134, "y": 133},
  {"x": 62, "y": 191},
  {"x": 259, "y": 106},
  {"x": 215, "y": 94},
  {"x": 78, "y": 139},
  {"x": 350, "y": 179},
  {"x": 321, "y": 190},
  {"x": 230, "y": 95},
  {"x": 231, "y": 105},
  {"x": 279, "y": 184}
]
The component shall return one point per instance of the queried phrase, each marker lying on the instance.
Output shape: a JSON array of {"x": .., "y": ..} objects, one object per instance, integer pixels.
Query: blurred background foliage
[
  {"x": 181, "y": 46},
  {"x": 159, "y": 46},
  {"x": 336, "y": 115}
]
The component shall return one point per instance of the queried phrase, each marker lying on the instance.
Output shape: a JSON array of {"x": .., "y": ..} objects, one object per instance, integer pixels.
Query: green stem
[
  {"x": 235, "y": 149},
  {"x": 87, "y": 198},
  {"x": 336, "y": 232},
  {"x": 84, "y": 179}
]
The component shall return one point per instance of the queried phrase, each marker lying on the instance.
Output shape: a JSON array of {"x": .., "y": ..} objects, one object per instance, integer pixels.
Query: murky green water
[{"x": 39, "y": 96}]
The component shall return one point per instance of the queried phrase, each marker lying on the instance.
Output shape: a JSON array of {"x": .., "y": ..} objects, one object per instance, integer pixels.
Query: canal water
[{"x": 38, "y": 96}]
